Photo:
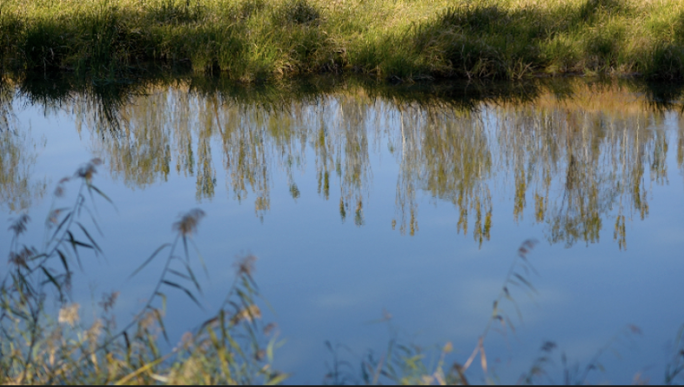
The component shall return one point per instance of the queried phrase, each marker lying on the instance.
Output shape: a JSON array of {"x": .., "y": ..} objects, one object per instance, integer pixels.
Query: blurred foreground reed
[{"x": 37, "y": 347}]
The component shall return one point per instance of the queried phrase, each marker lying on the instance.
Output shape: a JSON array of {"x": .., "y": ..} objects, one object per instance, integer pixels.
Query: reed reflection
[
  {"x": 603, "y": 148},
  {"x": 578, "y": 157},
  {"x": 18, "y": 189}
]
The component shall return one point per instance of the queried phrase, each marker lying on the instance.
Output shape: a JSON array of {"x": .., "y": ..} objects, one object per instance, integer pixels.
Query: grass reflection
[
  {"x": 579, "y": 155},
  {"x": 18, "y": 190}
]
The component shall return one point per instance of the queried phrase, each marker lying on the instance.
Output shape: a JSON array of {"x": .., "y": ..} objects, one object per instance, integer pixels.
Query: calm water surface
[{"x": 361, "y": 202}]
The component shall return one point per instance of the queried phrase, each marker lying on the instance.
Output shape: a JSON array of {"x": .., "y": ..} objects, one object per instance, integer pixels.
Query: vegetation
[
  {"x": 390, "y": 39},
  {"x": 442, "y": 149},
  {"x": 40, "y": 347}
]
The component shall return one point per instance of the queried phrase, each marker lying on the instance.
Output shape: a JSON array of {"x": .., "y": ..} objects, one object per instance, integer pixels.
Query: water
[{"x": 363, "y": 201}]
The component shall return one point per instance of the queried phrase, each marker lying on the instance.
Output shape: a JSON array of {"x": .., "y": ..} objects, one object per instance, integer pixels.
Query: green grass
[{"x": 391, "y": 39}]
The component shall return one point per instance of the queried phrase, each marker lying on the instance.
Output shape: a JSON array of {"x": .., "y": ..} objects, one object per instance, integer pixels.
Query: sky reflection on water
[{"x": 359, "y": 199}]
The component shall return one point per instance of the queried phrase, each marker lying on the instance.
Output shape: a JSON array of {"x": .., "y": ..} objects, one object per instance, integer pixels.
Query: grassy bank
[{"x": 391, "y": 39}]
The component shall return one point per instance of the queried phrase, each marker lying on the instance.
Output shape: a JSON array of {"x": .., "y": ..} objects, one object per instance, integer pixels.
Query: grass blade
[
  {"x": 63, "y": 259},
  {"x": 51, "y": 279},
  {"x": 73, "y": 246},
  {"x": 148, "y": 260},
  {"x": 160, "y": 320},
  {"x": 192, "y": 297},
  {"x": 526, "y": 282},
  {"x": 97, "y": 248},
  {"x": 61, "y": 224},
  {"x": 102, "y": 194}
]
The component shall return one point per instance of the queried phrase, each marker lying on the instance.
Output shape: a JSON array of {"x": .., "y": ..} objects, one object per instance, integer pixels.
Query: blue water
[{"x": 331, "y": 278}]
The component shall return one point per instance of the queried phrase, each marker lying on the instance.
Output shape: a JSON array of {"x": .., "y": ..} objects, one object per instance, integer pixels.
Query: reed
[
  {"x": 399, "y": 40},
  {"x": 40, "y": 347}
]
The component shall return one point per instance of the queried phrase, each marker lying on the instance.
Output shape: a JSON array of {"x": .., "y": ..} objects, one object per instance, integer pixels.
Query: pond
[{"x": 381, "y": 212}]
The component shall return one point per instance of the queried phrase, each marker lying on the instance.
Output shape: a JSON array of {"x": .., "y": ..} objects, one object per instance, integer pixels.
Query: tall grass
[
  {"x": 37, "y": 347},
  {"x": 390, "y": 39}
]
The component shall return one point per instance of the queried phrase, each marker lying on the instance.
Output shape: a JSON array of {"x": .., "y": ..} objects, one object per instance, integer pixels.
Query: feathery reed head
[
  {"x": 245, "y": 265},
  {"x": 88, "y": 170},
  {"x": 187, "y": 225},
  {"x": 19, "y": 225}
]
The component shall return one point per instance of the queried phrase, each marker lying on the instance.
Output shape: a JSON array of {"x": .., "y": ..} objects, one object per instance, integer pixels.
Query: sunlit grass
[{"x": 397, "y": 40}]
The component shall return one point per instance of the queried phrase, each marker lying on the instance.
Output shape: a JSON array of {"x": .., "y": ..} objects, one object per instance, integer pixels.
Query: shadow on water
[
  {"x": 450, "y": 140},
  {"x": 665, "y": 96},
  {"x": 106, "y": 97},
  {"x": 103, "y": 99}
]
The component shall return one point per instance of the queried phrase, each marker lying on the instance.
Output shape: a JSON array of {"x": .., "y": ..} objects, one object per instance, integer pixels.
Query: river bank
[{"x": 256, "y": 40}]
